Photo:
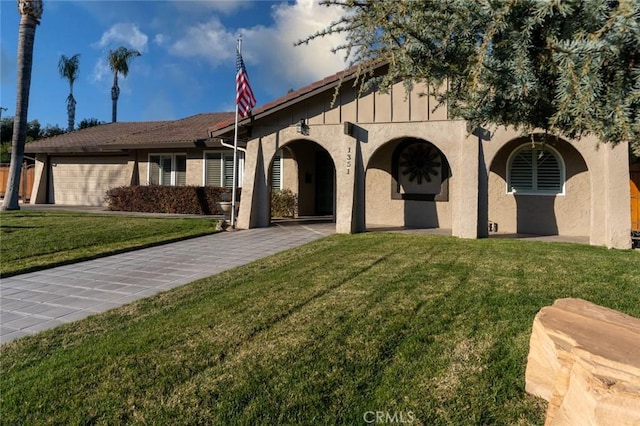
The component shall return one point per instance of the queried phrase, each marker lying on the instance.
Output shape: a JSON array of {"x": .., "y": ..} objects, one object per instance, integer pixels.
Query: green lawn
[
  {"x": 31, "y": 239},
  {"x": 434, "y": 329}
]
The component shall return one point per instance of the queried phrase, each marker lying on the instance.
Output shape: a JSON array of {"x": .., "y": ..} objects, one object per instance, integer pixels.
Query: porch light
[{"x": 302, "y": 127}]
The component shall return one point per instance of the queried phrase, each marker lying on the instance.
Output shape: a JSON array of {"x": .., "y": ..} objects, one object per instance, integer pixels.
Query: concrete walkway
[{"x": 36, "y": 301}]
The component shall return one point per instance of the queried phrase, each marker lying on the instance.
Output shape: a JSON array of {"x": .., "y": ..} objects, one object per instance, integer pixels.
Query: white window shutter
[
  {"x": 165, "y": 178},
  {"x": 521, "y": 172},
  {"x": 276, "y": 171},
  {"x": 181, "y": 170},
  {"x": 214, "y": 169},
  {"x": 228, "y": 171},
  {"x": 154, "y": 170},
  {"x": 548, "y": 172},
  {"x": 535, "y": 170}
]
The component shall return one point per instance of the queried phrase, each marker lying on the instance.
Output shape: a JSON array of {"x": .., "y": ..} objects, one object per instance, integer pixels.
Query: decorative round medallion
[{"x": 420, "y": 161}]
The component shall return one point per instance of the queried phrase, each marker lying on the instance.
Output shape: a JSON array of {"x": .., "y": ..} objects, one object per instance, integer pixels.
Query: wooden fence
[{"x": 26, "y": 180}]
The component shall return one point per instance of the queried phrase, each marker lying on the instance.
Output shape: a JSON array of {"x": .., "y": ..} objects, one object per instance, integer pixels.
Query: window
[
  {"x": 276, "y": 171},
  {"x": 420, "y": 172},
  {"x": 218, "y": 169},
  {"x": 167, "y": 169},
  {"x": 535, "y": 170}
]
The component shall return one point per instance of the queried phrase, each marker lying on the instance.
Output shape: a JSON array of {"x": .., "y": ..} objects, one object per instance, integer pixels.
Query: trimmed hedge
[{"x": 166, "y": 199}]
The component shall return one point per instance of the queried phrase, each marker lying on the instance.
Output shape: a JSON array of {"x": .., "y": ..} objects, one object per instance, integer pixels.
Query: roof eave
[
  {"x": 192, "y": 143},
  {"x": 70, "y": 150},
  {"x": 122, "y": 148}
]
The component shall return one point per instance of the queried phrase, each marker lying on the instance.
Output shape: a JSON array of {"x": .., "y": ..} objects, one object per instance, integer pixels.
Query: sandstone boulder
[{"x": 585, "y": 360}]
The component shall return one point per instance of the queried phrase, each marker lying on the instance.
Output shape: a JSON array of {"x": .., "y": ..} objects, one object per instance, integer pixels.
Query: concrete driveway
[{"x": 36, "y": 301}]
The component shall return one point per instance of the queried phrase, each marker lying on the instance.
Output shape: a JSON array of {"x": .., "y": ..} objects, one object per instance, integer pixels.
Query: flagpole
[{"x": 235, "y": 156}]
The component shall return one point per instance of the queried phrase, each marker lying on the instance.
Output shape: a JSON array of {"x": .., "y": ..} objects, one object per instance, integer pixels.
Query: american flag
[{"x": 244, "y": 95}]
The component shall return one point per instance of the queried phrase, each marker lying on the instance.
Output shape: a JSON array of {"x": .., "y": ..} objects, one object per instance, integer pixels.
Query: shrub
[
  {"x": 166, "y": 199},
  {"x": 284, "y": 203}
]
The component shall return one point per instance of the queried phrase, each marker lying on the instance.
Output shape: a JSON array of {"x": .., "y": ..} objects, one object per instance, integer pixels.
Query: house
[
  {"x": 392, "y": 159},
  {"x": 78, "y": 168},
  {"x": 368, "y": 160}
]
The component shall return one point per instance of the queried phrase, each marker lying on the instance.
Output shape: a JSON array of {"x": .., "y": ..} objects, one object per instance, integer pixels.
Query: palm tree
[
  {"x": 119, "y": 63},
  {"x": 69, "y": 69},
  {"x": 31, "y": 12}
]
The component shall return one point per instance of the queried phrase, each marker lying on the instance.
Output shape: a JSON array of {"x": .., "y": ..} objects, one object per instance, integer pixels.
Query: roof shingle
[{"x": 128, "y": 135}]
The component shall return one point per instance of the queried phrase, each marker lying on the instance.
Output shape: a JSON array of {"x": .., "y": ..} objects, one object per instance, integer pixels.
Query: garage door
[{"x": 84, "y": 181}]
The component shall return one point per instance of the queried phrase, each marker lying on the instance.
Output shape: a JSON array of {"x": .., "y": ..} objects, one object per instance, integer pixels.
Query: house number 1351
[{"x": 348, "y": 160}]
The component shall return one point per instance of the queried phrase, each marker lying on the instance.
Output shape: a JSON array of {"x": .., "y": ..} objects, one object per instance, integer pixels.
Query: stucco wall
[
  {"x": 304, "y": 152},
  {"x": 597, "y": 197},
  {"x": 565, "y": 214},
  {"x": 353, "y": 152},
  {"x": 477, "y": 186},
  {"x": 382, "y": 209},
  {"x": 290, "y": 172},
  {"x": 451, "y": 139},
  {"x": 195, "y": 168}
]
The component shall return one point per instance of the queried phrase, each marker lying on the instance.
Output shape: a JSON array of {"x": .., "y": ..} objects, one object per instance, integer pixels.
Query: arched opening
[
  {"x": 539, "y": 188},
  {"x": 305, "y": 170},
  {"x": 407, "y": 185}
]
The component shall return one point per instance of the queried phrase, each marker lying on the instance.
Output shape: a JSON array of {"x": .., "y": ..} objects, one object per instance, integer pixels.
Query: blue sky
[{"x": 188, "y": 55}]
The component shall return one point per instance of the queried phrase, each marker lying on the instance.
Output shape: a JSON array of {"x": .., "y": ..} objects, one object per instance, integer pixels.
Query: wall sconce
[{"x": 302, "y": 127}]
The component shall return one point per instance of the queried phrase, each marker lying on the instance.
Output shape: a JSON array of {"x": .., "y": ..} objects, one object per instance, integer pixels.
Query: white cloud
[
  {"x": 160, "y": 39},
  {"x": 102, "y": 76},
  {"x": 124, "y": 33},
  {"x": 225, "y": 6},
  {"x": 270, "y": 50},
  {"x": 209, "y": 40},
  {"x": 100, "y": 71},
  {"x": 297, "y": 65}
]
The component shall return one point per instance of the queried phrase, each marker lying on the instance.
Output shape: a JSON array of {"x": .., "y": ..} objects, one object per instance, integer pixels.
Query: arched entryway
[
  {"x": 407, "y": 185},
  {"x": 308, "y": 171},
  {"x": 539, "y": 188}
]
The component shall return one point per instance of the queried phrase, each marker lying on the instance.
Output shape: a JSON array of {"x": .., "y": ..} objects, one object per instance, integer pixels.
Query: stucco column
[
  {"x": 254, "y": 200},
  {"x": 41, "y": 175},
  {"x": 617, "y": 197},
  {"x": 132, "y": 167},
  {"x": 349, "y": 186},
  {"x": 465, "y": 174}
]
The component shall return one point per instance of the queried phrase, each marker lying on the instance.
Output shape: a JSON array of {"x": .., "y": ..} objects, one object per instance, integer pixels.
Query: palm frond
[{"x": 120, "y": 58}]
